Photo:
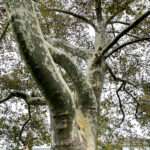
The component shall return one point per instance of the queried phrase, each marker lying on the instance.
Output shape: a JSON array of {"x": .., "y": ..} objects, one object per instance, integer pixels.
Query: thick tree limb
[
  {"x": 14, "y": 94},
  {"x": 84, "y": 89},
  {"x": 126, "y": 44},
  {"x": 111, "y": 44},
  {"x": 75, "y": 15},
  {"x": 69, "y": 48},
  {"x": 37, "y": 56}
]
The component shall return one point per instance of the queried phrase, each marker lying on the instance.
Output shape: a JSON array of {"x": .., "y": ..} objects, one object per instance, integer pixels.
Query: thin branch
[
  {"x": 117, "y": 78},
  {"x": 126, "y": 23},
  {"x": 14, "y": 94},
  {"x": 135, "y": 100},
  {"x": 76, "y": 16},
  {"x": 71, "y": 49},
  {"x": 4, "y": 31},
  {"x": 135, "y": 23},
  {"x": 126, "y": 44},
  {"x": 128, "y": 34},
  {"x": 120, "y": 103},
  {"x": 31, "y": 100},
  {"x": 120, "y": 22},
  {"x": 25, "y": 98},
  {"x": 25, "y": 123}
]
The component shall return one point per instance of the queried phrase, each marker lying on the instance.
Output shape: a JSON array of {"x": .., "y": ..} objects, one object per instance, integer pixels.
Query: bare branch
[
  {"x": 117, "y": 78},
  {"x": 111, "y": 44},
  {"x": 84, "y": 19},
  {"x": 126, "y": 44},
  {"x": 4, "y": 31},
  {"x": 25, "y": 123},
  {"x": 72, "y": 49},
  {"x": 135, "y": 100},
  {"x": 120, "y": 103},
  {"x": 46, "y": 73},
  {"x": 123, "y": 5}
]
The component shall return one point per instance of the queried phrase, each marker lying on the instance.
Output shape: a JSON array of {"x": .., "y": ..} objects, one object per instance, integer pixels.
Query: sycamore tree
[{"x": 84, "y": 56}]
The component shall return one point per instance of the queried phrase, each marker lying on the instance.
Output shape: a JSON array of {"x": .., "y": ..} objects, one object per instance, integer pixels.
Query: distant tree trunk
[{"x": 74, "y": 118}]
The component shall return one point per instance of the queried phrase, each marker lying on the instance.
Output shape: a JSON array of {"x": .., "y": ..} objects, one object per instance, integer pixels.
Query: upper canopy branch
[
  {"x": 120, "y": 35},
  {"x": 25, "y": 97},
  {"x": 117, "y": 78},
  {"x": 84, "y": 19},
  {"x": 126, "y": 44}
]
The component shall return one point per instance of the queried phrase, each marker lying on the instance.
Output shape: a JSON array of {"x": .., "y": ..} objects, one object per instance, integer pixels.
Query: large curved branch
[
  {"x": 117, "y": 78},
  {"x": 126, "y": 44},
  {"x": 25, "y": 97},
  {"x": 14, "y": 94},
  {"x": 37, "y": 56},
  {"x": 26, "y": 122},
  {"x": 135, "y": 100},
  {"x": 135, "y": 23},
  {"x": 84, "y": 89},
  {"x": 117, "y": 38},
  {"x": 75, "y": 15}
]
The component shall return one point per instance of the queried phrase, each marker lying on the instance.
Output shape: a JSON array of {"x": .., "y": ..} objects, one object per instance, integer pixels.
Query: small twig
[
  {"x": 135, "y": 100},
  {"x": 117, "y": 78},
  {"x": 4, "y": 31},
  {"x": 120, "y": 103}
]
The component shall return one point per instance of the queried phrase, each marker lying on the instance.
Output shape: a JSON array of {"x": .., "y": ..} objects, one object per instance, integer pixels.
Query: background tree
[{"x": 71, "y": 77}]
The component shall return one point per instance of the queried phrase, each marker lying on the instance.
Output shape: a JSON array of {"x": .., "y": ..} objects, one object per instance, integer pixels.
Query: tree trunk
[
  {"x": 74, "y": 120},
  {"x": 77, "y": 133}
]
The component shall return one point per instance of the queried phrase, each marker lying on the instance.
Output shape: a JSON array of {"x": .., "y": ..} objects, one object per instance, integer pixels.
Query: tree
[{"x": 72, "y": 95}]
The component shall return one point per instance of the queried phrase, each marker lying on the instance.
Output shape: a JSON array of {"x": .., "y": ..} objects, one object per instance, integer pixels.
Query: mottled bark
[{"x": 74, "y": 124}]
